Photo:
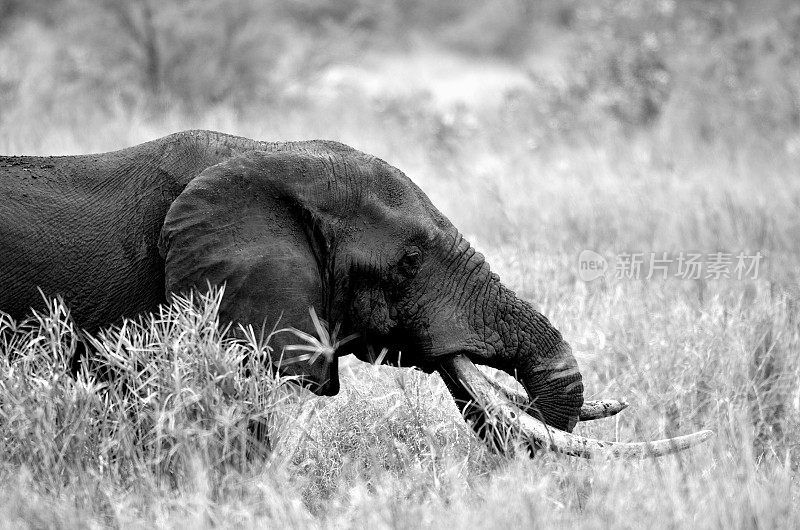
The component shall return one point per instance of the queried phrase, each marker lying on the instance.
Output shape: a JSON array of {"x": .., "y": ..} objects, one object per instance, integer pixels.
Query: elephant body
[
  {"x": 87, "y": 227},
  {"x": 285, "y": 227}
]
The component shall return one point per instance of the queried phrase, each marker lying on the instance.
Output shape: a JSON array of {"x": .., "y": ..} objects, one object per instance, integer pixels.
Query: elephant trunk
[
  {"x": 537, "y": 356},
  {"x": 554, "y": 386}
]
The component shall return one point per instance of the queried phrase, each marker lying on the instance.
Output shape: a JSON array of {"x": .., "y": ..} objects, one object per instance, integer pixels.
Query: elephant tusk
[
  {"x": 463, "y": 378},
  {"x": 591, "y": 410},
  {"x": 601, "y": 408}
]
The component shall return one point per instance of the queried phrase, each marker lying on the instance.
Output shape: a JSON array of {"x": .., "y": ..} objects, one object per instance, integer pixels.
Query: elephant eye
[{"x": 409, "y": 264}]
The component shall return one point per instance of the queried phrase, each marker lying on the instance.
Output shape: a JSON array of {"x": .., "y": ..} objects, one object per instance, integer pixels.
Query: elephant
[{"x": 286, "y": 227}]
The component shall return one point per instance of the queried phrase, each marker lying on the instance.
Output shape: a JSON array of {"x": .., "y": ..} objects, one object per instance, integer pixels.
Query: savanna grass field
[{"x": 542, "y": 129}]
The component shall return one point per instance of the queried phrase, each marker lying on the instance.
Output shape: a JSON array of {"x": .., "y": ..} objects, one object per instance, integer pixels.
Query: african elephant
[{"x": 286, "y": 227}]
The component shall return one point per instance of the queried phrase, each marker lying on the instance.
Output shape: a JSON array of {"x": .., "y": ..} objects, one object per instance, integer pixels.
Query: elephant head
[{"x": 322, "y": 225}]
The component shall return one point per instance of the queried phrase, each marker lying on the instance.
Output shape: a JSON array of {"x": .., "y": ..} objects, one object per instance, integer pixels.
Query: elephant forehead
[
  {"x": 391, "y": 191},
  {"x": 405, "y": 214},
  {"x": 394, "y": 190}
]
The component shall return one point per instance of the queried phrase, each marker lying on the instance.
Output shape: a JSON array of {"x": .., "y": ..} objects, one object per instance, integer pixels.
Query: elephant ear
[{"x": 250, "y": 224}]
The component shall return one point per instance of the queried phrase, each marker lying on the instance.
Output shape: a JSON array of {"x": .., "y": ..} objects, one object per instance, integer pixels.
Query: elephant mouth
[
  {"x": 495, "y": 411},
  {"x": 395, "y": 349}
]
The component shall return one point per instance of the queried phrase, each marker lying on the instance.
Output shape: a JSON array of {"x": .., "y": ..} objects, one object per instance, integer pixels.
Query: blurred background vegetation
[{"x": 708, "y": 69}]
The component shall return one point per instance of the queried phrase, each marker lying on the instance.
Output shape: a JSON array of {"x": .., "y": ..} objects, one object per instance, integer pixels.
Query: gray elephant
[{"x": 286, "y": 227}]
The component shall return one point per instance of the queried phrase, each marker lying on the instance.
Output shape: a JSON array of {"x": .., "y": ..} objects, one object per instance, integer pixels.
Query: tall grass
[{"x": 166, "y": 435}]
